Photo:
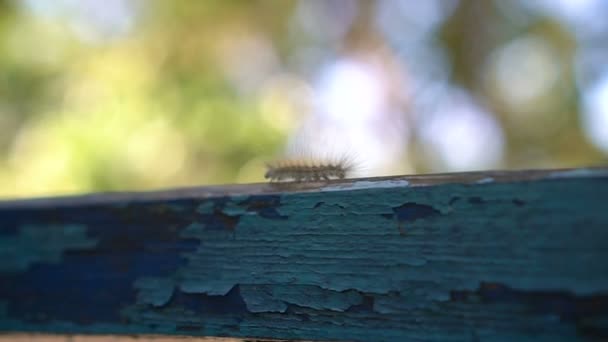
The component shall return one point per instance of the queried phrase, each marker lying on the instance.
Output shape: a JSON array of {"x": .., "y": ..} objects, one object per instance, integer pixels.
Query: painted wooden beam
[{"x": 509, "y": 256}]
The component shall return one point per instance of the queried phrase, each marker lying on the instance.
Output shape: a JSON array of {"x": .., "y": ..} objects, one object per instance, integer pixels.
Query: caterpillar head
[{"x": 270, "y": 174}]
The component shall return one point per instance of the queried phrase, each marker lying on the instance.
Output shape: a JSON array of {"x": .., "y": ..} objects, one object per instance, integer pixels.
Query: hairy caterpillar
[{"x": 308, "y": 170}]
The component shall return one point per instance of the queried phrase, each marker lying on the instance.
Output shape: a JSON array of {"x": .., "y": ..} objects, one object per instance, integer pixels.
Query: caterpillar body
[{"x": 308, "y": 170}]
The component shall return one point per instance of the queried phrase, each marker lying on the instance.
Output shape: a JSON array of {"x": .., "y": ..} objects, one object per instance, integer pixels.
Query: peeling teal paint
[
  {"x": 154, "y": 290},
  {"x": 269, "y": 252},
  {"x": 379, "y": 261},
  {"x": 276, "y": 298},
  {"x": 35, "y": 244},
  {"x": 206, "y": 208},
  {"x": 232, "y": 208}
]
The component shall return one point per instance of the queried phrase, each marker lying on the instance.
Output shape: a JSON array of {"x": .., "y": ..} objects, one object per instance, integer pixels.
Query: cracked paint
[
  {"x": 276, "y": 298},
  {"x": 493, "y": 260}
]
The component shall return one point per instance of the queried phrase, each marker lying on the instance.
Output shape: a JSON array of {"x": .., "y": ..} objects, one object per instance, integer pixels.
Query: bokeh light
[
  {"x": 461, "y": 135},
  {"x": 523, "y": 71},
  {"x": 595, "y": 113}
]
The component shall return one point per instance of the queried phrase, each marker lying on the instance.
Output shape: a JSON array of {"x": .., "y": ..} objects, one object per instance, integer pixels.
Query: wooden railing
[{"x": 507, "y": 256}]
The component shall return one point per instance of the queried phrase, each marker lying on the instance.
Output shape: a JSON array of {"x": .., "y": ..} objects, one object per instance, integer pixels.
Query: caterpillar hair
[{"x": 309, "y": 170}]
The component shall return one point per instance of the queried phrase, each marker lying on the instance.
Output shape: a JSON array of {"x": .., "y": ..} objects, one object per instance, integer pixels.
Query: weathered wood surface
[
  {"x": 37, "y": 337},
  {"x": 509, "y": 256}
]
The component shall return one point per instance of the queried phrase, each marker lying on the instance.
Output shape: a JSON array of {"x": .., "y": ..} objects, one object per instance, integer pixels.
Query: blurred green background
[{"x": 102, "y": 95}]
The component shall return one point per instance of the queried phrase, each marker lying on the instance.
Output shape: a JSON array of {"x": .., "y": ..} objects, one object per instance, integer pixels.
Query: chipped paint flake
[
  {"x": 276, "y": 298},
  {"x": 155, "y": 291}
]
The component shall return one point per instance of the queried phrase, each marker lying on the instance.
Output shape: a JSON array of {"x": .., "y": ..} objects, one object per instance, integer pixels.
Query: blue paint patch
[
  {"x": 563, "y": 304},
  {"x": 265, "y": 206},
  {"x": 202, "y": 304},
  {"x": 410, "y": 212},
  {"x": 212, "y": 213},
  {"x": 518, "y": 202},
  {"x": 94, "y": 284}
]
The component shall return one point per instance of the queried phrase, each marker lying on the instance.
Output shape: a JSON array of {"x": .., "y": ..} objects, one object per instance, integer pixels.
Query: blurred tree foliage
[
  {"x": 550, "y": 124},
  {"x": 148, "y": 96}
]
